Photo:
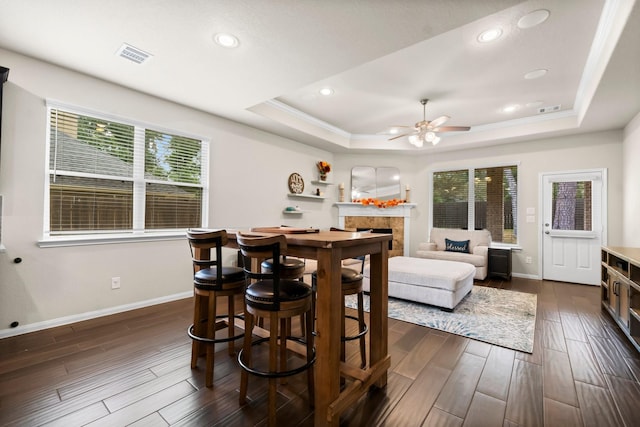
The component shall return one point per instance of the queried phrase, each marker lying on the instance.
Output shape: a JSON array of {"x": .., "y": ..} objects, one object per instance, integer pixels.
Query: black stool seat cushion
[
  {"x": 286, "y": 263},
  {"x": 260, "y": 294},
  {"x": 348, "y": 275},
  {"x": 207, "y": 277}
]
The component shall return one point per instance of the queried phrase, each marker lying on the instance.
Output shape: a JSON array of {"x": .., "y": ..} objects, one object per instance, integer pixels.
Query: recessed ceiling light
[
  {"x": 532, "y": 19},
  {"x": 535, "y": 74},
  {"x": 489, "y": 35},
  {"x": 511, "y": 108},
  {"x": 226, "y": 40},
  {"x": 394, "y": 131},
  {"x": 326, "y": 91}
]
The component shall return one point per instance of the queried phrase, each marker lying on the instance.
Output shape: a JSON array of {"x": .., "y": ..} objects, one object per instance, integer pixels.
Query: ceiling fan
[{"x": 427, "y": 130}]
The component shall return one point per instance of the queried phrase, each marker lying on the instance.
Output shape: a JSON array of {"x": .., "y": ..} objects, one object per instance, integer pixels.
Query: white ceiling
[{"x": 380, "y": 57}]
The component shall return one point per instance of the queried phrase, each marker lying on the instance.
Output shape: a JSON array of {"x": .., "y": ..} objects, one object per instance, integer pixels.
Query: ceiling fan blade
[
  {"x": 399, "y": 136},
  {"x": 451, "y": 128},
  {"x": 438, "y": 121}
]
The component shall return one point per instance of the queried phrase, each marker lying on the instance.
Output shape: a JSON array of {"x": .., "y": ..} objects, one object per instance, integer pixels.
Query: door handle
[{"x": 546, "y": 232}]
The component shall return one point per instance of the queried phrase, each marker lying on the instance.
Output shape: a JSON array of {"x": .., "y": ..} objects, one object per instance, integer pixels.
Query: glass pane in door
[{"x": 572, "y": 206}]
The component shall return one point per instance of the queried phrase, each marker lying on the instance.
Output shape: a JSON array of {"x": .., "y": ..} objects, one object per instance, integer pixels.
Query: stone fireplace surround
[{"x": 398, "y": 218}]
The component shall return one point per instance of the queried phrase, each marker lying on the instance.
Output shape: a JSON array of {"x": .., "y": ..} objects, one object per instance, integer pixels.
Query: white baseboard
[
  {"x": 527, "y": 276},
  {"x": 38, "y": 326}
]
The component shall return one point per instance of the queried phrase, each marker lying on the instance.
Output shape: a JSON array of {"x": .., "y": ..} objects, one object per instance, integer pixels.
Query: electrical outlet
[
  {"x": 528, "y": 260},
  {"x": 115, "y": 283}
]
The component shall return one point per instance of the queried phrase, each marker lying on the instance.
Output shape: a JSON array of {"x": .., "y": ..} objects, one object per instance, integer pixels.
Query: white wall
[
  {"x": 631, "y": 184},
  {"x": 249, "y": 171}
]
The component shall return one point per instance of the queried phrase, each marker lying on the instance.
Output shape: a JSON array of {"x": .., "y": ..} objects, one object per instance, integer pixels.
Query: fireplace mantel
[{"x": 403, "y": 210}]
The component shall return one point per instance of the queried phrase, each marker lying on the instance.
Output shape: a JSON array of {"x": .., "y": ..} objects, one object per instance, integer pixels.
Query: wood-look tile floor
[{"x": 133, "y": 369}]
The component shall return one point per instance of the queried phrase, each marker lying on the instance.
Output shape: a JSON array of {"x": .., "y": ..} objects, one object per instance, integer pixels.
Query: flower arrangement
[
  {"x": 323, "y": 167},
  {"x": 379, "y": 203}
]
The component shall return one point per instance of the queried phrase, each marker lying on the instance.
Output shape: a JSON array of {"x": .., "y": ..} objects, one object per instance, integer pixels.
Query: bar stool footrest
[
  {"x": 359, "y": 334},
  {"x": 278, "y": 374},
  {"x": 195, "y": 337}
]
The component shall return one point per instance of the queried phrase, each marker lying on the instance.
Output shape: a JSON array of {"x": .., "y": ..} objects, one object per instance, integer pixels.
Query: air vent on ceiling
[
  {"x": 133, "y": 53},
  {"x": 549, "y": 109}
]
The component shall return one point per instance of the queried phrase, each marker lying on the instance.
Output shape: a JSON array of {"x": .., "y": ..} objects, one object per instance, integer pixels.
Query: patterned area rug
[{"x": 496, "y": 316}]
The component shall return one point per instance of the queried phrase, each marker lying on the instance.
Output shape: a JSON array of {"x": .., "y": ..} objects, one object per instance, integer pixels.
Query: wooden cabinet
[
  {"x": 620, "y": 294},
  {"x": 500, "y": 263}
]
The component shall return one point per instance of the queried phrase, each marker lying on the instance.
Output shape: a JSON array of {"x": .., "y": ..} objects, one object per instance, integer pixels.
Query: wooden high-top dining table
[{"x": 329, "y": 248}]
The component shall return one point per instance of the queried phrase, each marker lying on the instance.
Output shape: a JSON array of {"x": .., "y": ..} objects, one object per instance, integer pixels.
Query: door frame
[{"x": 540, "y": 223}]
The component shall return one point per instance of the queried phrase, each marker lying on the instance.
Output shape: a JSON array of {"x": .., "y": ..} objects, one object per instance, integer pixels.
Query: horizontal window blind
[
  {"x": 493, "y": 191},
  {"x": 107, "y": 176},
  {"x": 450, "y": 199},
  {"x": 496, "y": 202},
  {"x": 89, "y": 204},
  {"x": 82, "y": 144}
]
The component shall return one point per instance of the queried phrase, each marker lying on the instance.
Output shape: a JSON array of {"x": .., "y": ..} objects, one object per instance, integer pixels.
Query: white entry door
[{"x": 573, "y": 214}]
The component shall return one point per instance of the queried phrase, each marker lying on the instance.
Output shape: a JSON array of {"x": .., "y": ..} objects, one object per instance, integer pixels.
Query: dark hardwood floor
[{"x": 133, "y": 369}]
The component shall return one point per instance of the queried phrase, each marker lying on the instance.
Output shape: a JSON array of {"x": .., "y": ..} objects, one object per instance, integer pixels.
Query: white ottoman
[{"x": 429, "y": 281}]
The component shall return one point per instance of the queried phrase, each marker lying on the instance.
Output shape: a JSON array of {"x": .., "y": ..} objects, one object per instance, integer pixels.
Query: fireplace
[
  {"x": 378, "y": 230},
  {"x": 379, "y": 224},
  {"x": 397, "y": 219}
]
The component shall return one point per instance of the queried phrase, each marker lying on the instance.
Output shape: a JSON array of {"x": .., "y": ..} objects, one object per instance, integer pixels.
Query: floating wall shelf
[{"x": 305, "y": 196}]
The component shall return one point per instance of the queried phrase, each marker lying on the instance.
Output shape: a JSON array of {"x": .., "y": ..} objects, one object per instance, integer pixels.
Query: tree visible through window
[
  {"x": 494, "y": 194},
  {"x": 98, "y": 183},
  {"x": 572, "y": 205},
  {"x": 451, "y": 199}
]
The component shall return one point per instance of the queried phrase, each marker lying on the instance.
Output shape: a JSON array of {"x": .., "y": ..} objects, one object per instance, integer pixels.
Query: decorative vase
[{"x": 323, "y": 177}]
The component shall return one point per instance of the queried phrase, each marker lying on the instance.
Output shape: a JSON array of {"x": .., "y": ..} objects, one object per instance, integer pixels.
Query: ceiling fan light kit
[
  {"x": 428, "y": 130},
  {"x": 415, "y": 140}
]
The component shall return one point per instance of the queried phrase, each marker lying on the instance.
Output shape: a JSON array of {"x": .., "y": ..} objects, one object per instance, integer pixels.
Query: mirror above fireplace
[{"x": 381, "y": 183}]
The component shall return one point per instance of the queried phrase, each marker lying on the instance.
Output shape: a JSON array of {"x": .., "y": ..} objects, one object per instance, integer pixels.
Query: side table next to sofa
[{"x": 500, "y": 263}]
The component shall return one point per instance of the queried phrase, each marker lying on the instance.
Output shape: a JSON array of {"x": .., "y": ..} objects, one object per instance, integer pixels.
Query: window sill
[
  {"x": 512, "y": 246},
  {"x": 61, "y": 241}
]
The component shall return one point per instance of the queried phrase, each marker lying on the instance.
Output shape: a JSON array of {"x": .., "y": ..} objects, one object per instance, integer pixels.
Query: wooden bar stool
[
  {"x": 272, "y": 297},
  {"x": 290, "y": 269},
  {"x": 212, "y": 280}
]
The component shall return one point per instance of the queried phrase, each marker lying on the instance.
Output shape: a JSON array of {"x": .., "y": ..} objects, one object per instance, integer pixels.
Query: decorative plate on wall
[{"x": 296, "y": 183}]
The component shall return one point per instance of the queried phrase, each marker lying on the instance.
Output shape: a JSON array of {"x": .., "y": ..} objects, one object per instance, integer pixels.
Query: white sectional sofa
[{"x": 478, "y": 255}]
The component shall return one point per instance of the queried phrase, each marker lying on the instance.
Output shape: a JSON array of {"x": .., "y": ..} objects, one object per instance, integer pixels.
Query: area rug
[{"x": 496, "y": 316}]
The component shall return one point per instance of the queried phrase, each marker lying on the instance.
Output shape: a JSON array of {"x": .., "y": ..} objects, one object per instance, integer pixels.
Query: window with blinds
[
  {"x": 450, "y": 199},
  {"x": 110, "y": 176},
  {"x": 493, "y": 191}
]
